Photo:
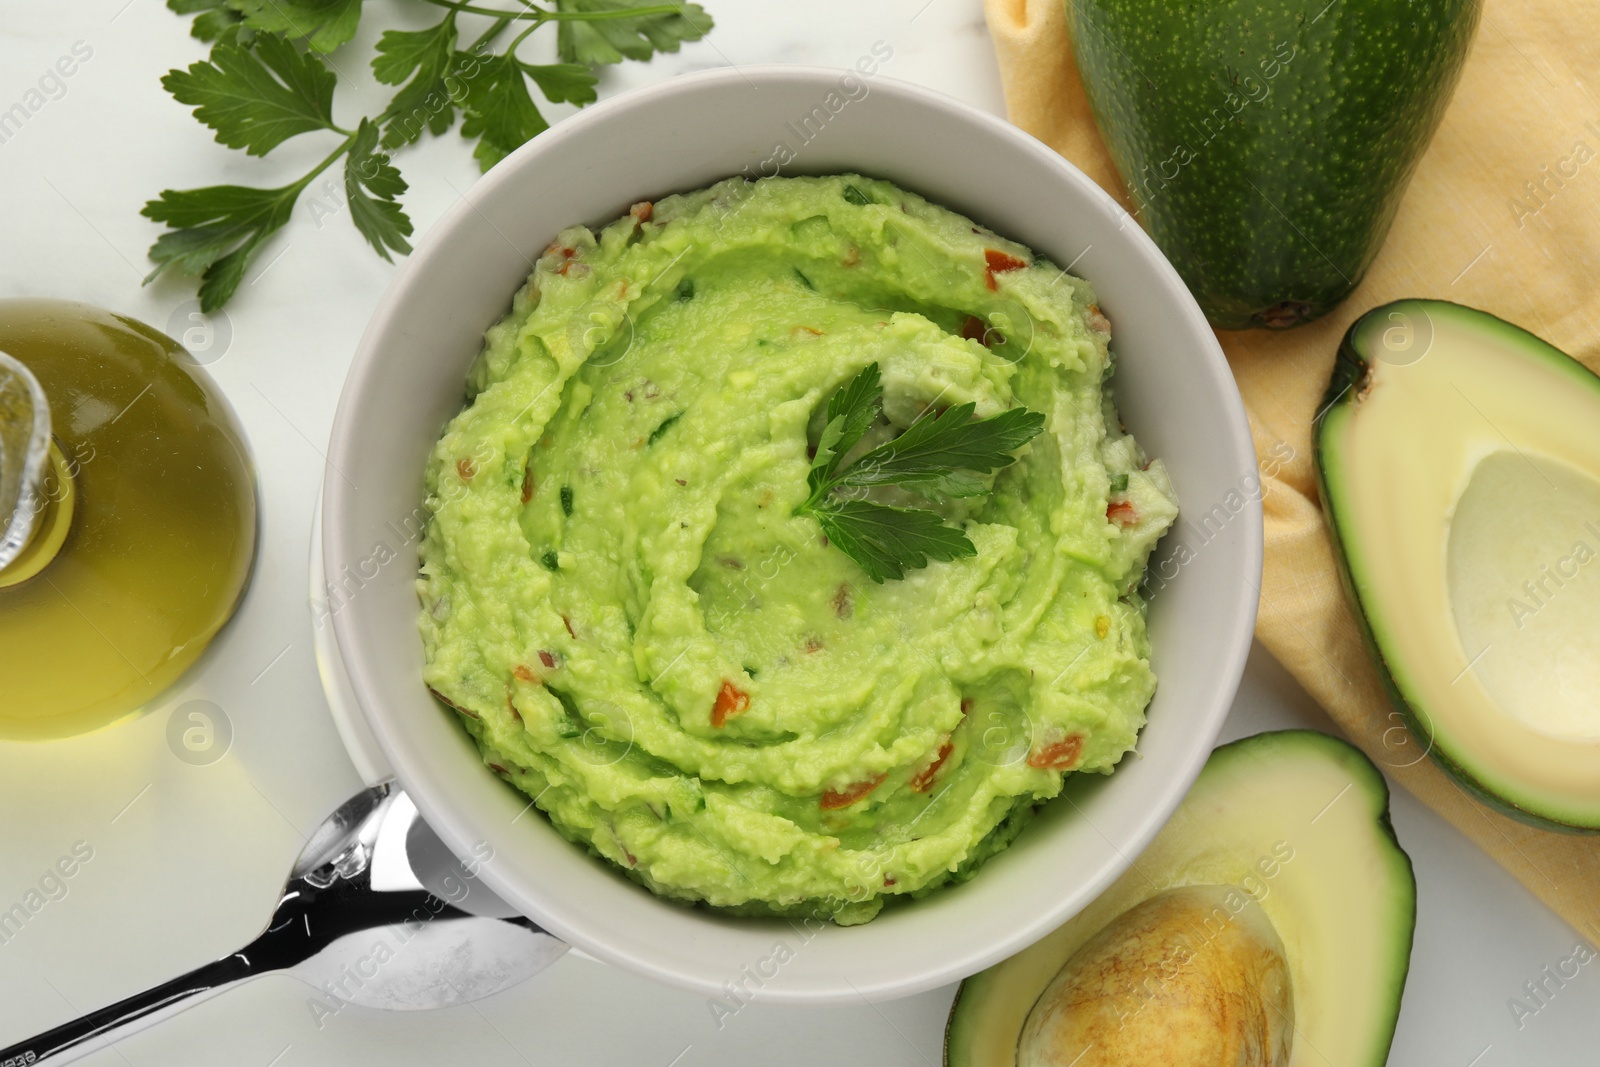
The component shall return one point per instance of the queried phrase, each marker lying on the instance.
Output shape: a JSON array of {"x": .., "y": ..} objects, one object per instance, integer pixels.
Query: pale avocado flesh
[
  {"x": 1459, "y": 460},
  {"x": 1299, "y": 821}
]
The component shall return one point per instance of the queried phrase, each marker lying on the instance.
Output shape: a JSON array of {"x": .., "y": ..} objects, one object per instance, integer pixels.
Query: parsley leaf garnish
[
  {"x": 371, "y": 185},
  {"x": 499, "y": 112},
  {"x": 419, "y": 62},
  {"x": 886, "y": 542},
  {"x": 323, "y": 24},
  {"x": 213, "y": 20},
  {"x": 563, "y": 83},
  {"x": 216, "y": 230},
  {"x": 257, "y": 98},
  {"x": 625, "y": 29},
  {"x": 265, "y": 82},
  {"x": 931, "y": 458},
  {"x": 851, "y": 413}
]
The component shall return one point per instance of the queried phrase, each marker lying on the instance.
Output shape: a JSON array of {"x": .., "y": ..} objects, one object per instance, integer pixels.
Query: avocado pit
[{"x": 1194, "y": 975}]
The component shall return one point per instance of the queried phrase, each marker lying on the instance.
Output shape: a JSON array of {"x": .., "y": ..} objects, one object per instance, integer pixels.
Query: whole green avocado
[{"x": 1267, "y": 143}]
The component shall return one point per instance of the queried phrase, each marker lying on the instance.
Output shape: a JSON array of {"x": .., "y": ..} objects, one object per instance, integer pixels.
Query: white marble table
[{"x": 187, "y": 859}]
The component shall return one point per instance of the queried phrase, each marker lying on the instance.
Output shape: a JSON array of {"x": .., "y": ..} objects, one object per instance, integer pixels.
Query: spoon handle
[
  {"x": 210, "y": 978},
  {"x": 308, "y": 919}
]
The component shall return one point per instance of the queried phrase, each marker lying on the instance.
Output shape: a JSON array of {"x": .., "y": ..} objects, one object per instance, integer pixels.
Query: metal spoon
[{"x": 377, "y": 912}]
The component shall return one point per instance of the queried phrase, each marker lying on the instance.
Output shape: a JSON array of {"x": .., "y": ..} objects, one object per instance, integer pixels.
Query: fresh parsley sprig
[
  {"x": 266, "y": 81},
  {"x": 932, "y": 458}
]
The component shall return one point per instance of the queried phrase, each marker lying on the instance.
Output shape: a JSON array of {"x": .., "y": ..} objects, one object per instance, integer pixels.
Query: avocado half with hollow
[
  {"x": 1268, "y": 925},
  {"x": 1459, "y": 462}
]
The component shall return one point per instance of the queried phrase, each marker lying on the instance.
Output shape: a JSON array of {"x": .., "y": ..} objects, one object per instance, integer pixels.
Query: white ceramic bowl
[{"x": 1173, "y": 388}]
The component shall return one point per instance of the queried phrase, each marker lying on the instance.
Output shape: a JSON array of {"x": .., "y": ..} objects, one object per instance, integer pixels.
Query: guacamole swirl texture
[{"x": 640, "y": 633}]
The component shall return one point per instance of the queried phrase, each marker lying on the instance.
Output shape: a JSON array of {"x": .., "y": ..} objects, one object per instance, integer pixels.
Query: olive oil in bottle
[{"x": 147, "y": 532}]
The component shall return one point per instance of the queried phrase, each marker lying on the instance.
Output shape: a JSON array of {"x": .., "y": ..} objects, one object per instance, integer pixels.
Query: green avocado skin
[{"x": 1267, "y": 143}]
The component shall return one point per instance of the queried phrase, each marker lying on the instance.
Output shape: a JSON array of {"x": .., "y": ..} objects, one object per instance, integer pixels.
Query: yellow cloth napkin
[{"x": 1472, "y": 230}]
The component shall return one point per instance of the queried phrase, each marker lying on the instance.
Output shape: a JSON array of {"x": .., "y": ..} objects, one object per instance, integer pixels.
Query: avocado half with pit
[
  {"x": 1268, "y": 925},
  {"x": 1459, "y": 462}
]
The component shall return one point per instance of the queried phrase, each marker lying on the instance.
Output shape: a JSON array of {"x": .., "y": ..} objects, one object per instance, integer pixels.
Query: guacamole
[{"x": 643, "y": 636}]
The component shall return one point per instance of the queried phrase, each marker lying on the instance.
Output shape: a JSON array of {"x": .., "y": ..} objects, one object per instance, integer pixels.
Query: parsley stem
[
  {"x": 331, "y": 158},
  {"x": 539, "y": 15},
  {"x": 489, "y": 34},
  {"x": 511, "y": 49},
  {"x": 471, "y": 9},
  {"x": 816, "y": 498},
  {"x": 620, "y": 13}
]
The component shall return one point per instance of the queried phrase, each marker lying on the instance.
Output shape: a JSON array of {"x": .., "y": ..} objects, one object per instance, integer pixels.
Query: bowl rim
[{"x": 1209, "y": 361}]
